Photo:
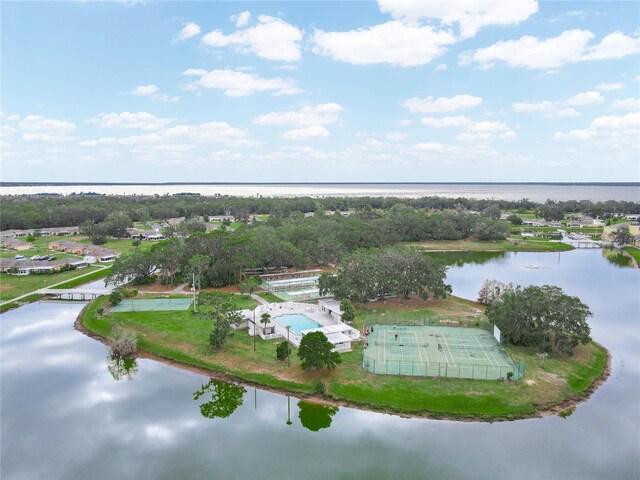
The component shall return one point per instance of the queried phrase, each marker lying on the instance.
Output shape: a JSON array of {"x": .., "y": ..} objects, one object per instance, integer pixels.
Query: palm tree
[{"x": 265, "y": 319}]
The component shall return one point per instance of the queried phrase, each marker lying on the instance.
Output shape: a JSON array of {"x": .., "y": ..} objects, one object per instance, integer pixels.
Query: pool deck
[{"x": 338, "y": 333}]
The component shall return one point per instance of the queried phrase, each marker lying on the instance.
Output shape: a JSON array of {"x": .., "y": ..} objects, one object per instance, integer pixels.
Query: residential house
[
  {"x": 27, "y": 267},
  {"x": 14, "y": 244}
]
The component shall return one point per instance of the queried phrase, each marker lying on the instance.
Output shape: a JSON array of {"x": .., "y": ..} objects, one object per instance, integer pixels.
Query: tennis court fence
[{"x": 443, "y": 369}]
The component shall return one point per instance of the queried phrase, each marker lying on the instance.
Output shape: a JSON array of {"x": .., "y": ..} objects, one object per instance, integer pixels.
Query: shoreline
[{"x": 566, "y": 405}]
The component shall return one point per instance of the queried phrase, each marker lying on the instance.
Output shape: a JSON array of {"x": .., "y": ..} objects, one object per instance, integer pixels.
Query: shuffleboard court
[
  {"x": 153, "y": 305},
  {"x": 437, "y": 351}
]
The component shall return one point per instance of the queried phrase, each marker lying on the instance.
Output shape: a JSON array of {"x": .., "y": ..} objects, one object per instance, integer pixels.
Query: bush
[
  {"x": 123, "y": 344},
  {"x": 283, "y": 350},
  {"x": 136, "y": 242},
  {"x": 319, "y": 387},
  {"x": 115, "y": 297},
  {"x": 100, "y": 311}
]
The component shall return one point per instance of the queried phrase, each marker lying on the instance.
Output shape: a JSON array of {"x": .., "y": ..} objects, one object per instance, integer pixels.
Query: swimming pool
[{"x": 297, "y": 322}]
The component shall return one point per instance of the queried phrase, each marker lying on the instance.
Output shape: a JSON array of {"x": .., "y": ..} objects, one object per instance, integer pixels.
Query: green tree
[
  {"x": 514, "y": 219},
  {"x": 265, "y": 318},
  {"x": 316, "y": 352},
  {"x": 283, "y": 350},
  {"x": 250, "y": 285},
  {"x": 225, "y": 398},
  {"x": 116, "y": 296},
  {"x": 198, "y": 264},
  {"x": 136, "y": 266},
  {"x": 622, "y": 236},
  {"x": 541, "y": 317},
  {"x": 348, "y": 310}
]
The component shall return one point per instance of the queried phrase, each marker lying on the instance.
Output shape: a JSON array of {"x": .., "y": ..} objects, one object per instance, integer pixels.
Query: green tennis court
[
  {"x": 153, "y": 305},
  {"x": 437, "y": 351}
]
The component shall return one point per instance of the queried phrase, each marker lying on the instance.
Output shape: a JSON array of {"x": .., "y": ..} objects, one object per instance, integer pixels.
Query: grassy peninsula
[{"x": 549, "y": 385}]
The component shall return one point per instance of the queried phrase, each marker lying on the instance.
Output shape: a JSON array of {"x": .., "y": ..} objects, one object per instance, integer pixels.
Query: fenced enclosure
[
  {"x": 437, "y": 351},
  {"x": 153, "y": 305}
]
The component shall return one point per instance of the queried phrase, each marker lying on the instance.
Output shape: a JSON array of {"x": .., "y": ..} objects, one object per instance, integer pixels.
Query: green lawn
[
  {"x": 121, "y": 244},
  {"x": 270, "y": 297},
  {"x": 183, "y": 337},
  {"x": 244, "y": 302},
  {"x": 634, "y": 252},
  {"x": 509, "y": 245},
  {"x": 12, "y": 286},
  {"x": 96, "y": 275}
]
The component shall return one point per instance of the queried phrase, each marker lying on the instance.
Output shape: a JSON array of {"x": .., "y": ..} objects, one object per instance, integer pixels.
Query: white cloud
[
  {"x": 316, "y": 131},
  {"x": 585, "y": 99},
  {"x": 484, "y": 130},
  {"x": 446, "y": 122},
  {"x": 442, "y": 104},
  {"x": 569, "y": 47},
  {"x": 272, "y": 38},
  {"x": 242, "y": 19},
  {"x": 396, "y": 136},
  {"x": 549, "y": 109},
  {"x": 605, "y": 87},
  {"x": 36, "y": 128},
  {"x": 405, "y": 122},
  {"x": 567, "y": 112},
  {"x": 441, "y": 67},
  {"x": 130, "y": 120},
  {"x": 630, "y": 103},
  {"x": 145, "y": 90},
  {"x": 173, "y": 138},
  {"x": 152, "y": 92},
  {"x": 470, "y": 15},
  {"x": 614, "y": 45},
  {"x": 394, "y": 42},
  {"x": 190, "y": 30},
  {"x": 322, "y": 114},
  {"x": 609, "y": 127},
  {"x": 239, "y": 84}
]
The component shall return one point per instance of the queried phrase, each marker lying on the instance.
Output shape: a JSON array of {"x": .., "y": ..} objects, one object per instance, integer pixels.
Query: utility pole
[
  {"x": 254, "y": 329},
  {"x": 288, "y": 347},
  {"x": 195, "y": 306}
]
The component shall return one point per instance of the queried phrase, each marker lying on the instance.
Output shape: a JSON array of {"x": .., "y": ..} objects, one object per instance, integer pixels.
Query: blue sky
[{"x": 395, "y": 90}]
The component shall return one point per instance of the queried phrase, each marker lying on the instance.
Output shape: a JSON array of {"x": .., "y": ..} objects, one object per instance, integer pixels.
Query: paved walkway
[
  {"x": 259, "y": 299},
  {"x": 50, "y": 286}
]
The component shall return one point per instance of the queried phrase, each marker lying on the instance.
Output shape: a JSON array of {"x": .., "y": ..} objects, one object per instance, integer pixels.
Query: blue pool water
[{"x": 297, "y": 322}]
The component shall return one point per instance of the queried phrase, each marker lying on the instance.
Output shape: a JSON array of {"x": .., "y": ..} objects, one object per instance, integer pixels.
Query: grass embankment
[
  {"x": 508, "y": 245},
  {"x": 634, "y": 252},
  {"x": 12, "y": 286},
  {"x": 183, "y": 337}
]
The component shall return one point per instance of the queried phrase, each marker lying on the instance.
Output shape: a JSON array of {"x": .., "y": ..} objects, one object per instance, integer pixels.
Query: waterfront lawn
[
  {"x": 12, "y": 286},
  {"x": 634, "y": 252},
  {"x": 509, "y": 245},
  {"x": 183, "y": 337}
]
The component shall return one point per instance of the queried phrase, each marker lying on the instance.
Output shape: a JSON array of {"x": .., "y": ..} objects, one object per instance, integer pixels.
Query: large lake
[
  {"x": 536, "y": 193},
  {"x": 64, "y": 415}
]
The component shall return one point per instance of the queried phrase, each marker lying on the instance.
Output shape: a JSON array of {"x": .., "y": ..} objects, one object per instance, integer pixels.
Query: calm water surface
[
  {"x": 64, "y": 414},
  {"x": 536, "y": 193}
]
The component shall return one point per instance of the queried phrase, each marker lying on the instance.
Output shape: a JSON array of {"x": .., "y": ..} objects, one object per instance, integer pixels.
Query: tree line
[
  {"x": 217, "y": 258},
  {"x": 40, "y": 211}
]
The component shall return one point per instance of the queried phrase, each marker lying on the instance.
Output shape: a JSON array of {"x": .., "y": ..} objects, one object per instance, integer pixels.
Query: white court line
[
  {"x": 483, "y": 350},
  {"x": 415, "y": 339},
  {"x": 450, "y": 354}
]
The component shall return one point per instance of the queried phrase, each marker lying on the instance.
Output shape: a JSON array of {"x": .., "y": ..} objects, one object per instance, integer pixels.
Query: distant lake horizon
[{"x": 537, "y": 192}]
